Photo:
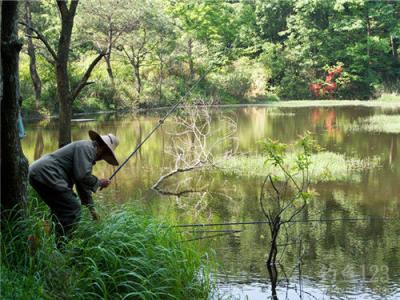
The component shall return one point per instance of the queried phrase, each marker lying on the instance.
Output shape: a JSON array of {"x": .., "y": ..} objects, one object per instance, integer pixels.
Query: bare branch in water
[{"x": 194, "y": 145}]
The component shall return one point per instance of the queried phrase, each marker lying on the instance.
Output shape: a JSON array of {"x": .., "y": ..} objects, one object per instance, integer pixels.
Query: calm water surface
[{"x": 342, "y": 259}]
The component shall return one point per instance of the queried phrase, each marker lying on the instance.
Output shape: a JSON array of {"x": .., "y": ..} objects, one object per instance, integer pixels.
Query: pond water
[{"x": 338, "y": 257}]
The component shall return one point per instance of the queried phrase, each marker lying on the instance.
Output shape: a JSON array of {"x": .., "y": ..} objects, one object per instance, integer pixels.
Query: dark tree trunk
[
  {"x": 160, "y": 79},
  {"x": 395, "y": 46},
  {"x": 14, "y": 165},
  {"x": 136, "y": 68},
  {"x": 368, "y": 25},
  {"x": 109, "y": 68},
  {"x": 190, "y": 55},
  {"x": 107, "y": 57},
  {"x": 37, "y": 83},
  {"x": 273, "y": 275},
  {"x": 275, "y": 227},
  {"x": 63, "y": 89}
]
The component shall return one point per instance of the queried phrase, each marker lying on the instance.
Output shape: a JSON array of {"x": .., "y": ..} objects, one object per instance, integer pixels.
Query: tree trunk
[
  {"x": 65, "y": 109},
  {"x": 65, "y": 104},
  {"x": 394, "y": 47},
  {"x": 107, "y": 57},
  {"x": 368, "y": 24},
  {"x": 273, "y": 275},
  {"x": 136, "y": 68},
  {"x": 275, "y": 227},
  {"x": 190, "y": 55},
  {"x": 37, "y": 84},
  {"x": 14, "y": 165},
  {"x": 109, "y": 68},
  {"x": 160, "y": 80},
  {"x": 63, "y": 89}
]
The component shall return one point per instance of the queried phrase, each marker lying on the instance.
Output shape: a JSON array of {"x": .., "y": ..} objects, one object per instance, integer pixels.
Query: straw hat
[{"x": 110, "y": 141}]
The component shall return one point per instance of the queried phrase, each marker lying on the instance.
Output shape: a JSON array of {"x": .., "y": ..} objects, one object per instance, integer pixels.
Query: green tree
[
  {"x": 60, "y": 60},
  {"x": 103, "y": 23}
]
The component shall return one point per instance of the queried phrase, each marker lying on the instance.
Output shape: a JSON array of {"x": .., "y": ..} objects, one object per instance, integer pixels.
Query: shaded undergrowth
[{"x": 124, "y": 256}]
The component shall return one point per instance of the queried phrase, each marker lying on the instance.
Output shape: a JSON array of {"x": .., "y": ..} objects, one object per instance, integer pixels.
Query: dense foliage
[
  {"x": 125, "y": 256},
  {"x": 258, "y": 50}
]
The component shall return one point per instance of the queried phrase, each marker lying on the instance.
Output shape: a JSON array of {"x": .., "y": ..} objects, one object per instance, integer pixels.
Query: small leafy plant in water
[{"x": 287, "y": 196}]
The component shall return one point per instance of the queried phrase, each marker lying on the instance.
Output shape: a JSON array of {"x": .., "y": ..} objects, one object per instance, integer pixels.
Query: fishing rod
[{"x": 161, "y": 121}]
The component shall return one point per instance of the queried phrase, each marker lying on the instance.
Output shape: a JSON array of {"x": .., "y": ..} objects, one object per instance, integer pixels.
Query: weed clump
[{"x": 126, "y": 255}]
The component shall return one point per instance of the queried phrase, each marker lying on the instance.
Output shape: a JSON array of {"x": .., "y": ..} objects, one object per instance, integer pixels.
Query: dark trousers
[{"x": 64, "y": 206}]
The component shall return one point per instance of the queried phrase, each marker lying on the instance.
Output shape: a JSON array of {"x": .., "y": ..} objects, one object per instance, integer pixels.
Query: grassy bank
[
  {"x": 326, "y": 166},
  {"x": 124, "y": 256}
]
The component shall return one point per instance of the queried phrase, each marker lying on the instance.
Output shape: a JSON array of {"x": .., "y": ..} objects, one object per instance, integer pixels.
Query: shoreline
[{"x": 285, "y": 104}]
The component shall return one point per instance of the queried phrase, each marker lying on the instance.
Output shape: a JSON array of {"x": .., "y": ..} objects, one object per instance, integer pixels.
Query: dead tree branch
[{"x": 195, "y": 143}]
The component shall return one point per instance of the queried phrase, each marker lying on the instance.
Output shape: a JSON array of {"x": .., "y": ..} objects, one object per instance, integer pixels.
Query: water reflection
[
  {"x": 39, "y": 145},
  {"x": 341, "y": 258}
]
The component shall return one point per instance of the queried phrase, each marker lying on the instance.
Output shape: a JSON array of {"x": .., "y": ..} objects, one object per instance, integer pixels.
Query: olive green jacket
[{"x": 67, "y": 166}]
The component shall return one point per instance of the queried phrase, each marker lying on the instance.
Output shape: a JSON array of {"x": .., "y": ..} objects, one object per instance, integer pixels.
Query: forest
[
  {"x": 200, "y": 149},
  {"x": 130, "y": 54}
]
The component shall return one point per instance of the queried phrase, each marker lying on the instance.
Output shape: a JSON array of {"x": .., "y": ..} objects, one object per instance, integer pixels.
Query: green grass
[
  {"x": 335, "y": 103},
  {"x": 394, "y": 104},
  {"x": 126, "y": 255},
  {"x": 377, "y": 123},
  {"x": 326, "y": 166},
  {"x": 389, "y": 97}
]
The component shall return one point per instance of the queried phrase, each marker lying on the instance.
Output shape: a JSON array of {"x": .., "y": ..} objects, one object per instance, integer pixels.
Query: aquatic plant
[
  {"x": 326, "y": 166},
  {"x": 126, "y": 255},
  {"x": 377, "y": 123}
]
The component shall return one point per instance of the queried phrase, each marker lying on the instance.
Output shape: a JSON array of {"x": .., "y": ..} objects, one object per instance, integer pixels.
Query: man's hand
[
  {"x": 103, "y": 183},
  {"x": 95, "y": 215}
]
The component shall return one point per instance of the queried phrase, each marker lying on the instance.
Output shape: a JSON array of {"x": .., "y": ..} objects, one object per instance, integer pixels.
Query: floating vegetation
[
  {"x": 276, "y": 112},
  {"x": 377, "y": 123},
  {"x": 326, "y": 166}
]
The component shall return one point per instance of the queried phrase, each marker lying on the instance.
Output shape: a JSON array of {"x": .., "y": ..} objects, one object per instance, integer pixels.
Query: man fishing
[{"x": 54, "y": 175}]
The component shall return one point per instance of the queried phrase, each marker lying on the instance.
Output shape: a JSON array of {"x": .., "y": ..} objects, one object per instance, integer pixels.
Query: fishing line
[
  {"x": 293, "y": 221},
  {"x": 161, "y": 121}
]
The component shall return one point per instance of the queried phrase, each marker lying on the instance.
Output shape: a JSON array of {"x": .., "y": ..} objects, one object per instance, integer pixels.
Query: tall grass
[{"x": 124, "y": 256}]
